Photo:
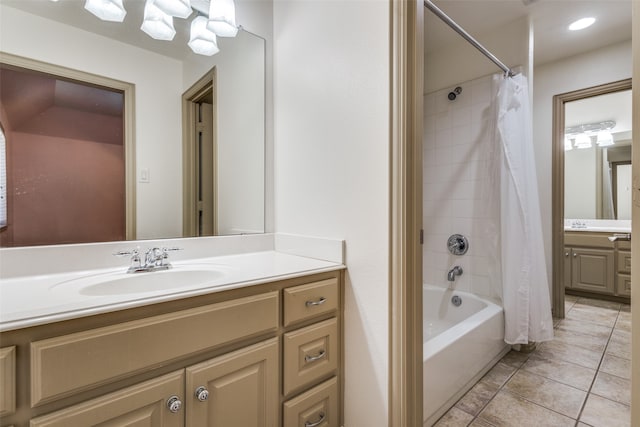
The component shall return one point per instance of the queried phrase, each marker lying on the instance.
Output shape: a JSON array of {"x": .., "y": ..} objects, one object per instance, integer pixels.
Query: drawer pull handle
[
  {"x": 317, "y": 423},
  {"x": 321, "y": 301},
  {"x": 174, "y": 404},
  {"x": 202, "y": 394},
  {"x": 318, "y": 356}
]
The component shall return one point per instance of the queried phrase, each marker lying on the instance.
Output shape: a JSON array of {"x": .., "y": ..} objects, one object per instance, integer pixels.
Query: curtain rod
[{"x": 458, "y": 29}]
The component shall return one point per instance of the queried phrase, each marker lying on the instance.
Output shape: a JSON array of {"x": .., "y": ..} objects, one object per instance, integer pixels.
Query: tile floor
[{"x": 580, "y": 379}]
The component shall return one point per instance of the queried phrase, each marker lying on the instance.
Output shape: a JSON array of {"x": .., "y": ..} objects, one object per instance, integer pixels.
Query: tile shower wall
[{"x": 456, "y": 186}]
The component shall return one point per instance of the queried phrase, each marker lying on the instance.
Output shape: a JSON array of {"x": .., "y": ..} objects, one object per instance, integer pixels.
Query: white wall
[
  {"x": 594, "y": 68},
  {"x": 331, "y": 94},
  {"x": 157, "y": 112},
  {"x": 580, "y": 183}
]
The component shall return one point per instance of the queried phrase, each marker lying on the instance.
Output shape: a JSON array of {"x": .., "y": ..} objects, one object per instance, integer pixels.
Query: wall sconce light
[
  {"x": 107, "y": 10},
  {"x": 582, "y": 134},
  {"x": 202, "y": 41},
  {"x": 176, "y": 8},
  {"x": 604, "y": 138},
  {"x": 583, "y": 141}
]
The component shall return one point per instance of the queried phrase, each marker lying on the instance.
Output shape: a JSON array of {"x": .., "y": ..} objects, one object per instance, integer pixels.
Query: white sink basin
[{"x": 125, "y": 283}]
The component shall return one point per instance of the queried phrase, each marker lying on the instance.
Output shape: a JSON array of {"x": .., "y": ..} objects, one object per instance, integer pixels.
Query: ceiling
[
  {"x": 611, "y": 106},
  {"x": 550, "y": 18}
]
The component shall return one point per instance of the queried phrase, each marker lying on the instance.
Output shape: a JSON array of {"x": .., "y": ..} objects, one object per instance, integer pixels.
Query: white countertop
[
  {"x": 598, "y": 225},
  {"x": 39, "y": 299}
]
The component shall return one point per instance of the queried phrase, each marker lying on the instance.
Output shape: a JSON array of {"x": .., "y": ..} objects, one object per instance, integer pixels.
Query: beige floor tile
[
  {"x": 547, "y": 393},
  {"x": 624, "y": 316},
  {"x": 454, "y": 418},
  {"x": 498, "y": 375},
  {"x": 612, "y": 388},
  {"x": 477, "y": 397},
  {"x": 623, "y": 324},
  {"x": 581, "y": 340},
  {"x": 570, "y": 353},
  {"x": 507, "y": 409},
  {"x": 600, "y": 316},
  {"x": 515, "y": 358},
  {"x": 601, "y": 412},
  {"x": 616, "y": 366},
  {"x": 479, "y": 422},
  {"x": 585, "y": 328},
  {"x": 619, "y": 348},
  {"x": 610, "y": 305},
  {"x": 559, "y": 370},
  {"x": 625, "y": 308},
  {"x": 621, "y": 335}
]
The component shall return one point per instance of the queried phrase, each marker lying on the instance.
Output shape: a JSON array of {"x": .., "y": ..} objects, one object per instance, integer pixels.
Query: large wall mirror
[
  {"x": 597, "y": 157},
  {"x": 64, "y": 35}
]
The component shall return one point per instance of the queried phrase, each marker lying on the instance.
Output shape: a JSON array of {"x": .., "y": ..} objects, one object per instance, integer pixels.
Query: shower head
[{"x": 453, "y": 94}]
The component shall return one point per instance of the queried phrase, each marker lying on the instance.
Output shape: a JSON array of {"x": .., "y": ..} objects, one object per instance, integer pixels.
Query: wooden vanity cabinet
[
  {"x": 217, "y": 360},
  {"x": 595, "y": 266}
]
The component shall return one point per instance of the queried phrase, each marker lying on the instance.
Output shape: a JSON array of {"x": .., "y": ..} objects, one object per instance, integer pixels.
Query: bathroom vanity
[
  {"x": 597, "y": 264},
  {"x": 260, "y": 352}
]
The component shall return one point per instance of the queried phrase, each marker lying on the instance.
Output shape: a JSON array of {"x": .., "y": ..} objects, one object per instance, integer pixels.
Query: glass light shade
[
  {"x": 567, "y": 144},
  {"x": 222, "y": 18},
  {"x": 583, "y": 141},
  {"x": 107, "y": 10},
  {"x": 157, "y": 24},
  {"x": 178, "y": 8},
  {"x": 202, "y": 41},
  {"x": 604, "y": 138}
]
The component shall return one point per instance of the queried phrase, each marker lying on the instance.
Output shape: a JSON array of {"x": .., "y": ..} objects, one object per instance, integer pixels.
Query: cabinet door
[
  {"x": 241, "y": 389},
  {"x": 567, "y": 268},
  {"x": 144, "y": 404},
  {"x": 593, "y": 270}
]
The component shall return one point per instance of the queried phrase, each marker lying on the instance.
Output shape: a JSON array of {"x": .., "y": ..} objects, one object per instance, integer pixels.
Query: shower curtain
[{"x": 525, "y": 292}]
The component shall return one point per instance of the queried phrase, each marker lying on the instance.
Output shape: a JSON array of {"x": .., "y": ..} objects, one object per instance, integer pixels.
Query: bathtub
[{"x": 460, "y": 345}]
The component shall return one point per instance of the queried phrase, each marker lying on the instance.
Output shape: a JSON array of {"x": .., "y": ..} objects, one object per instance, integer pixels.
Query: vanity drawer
[
  {"x": 586, "y": 239},
  {"x": 142, "y": 404},
  {"x": 310, "y": 300},
  {"x": 63, "y": 365},
  {"x": 7, "y": 380},
  {"x": 309, "y": 354},
  {"x": 316, "y": 407},
  {"x": 624, "y": 262},
  {"x": 623, "y": 285}
]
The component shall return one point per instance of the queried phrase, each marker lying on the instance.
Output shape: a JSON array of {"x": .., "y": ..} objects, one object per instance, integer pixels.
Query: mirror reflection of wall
[
  {"x": 161, "y": 73},
  {"x": 597, "y": 146}
]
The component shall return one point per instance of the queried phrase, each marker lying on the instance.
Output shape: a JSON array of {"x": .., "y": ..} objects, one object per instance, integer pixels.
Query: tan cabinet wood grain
[
  {"x": 593, "y": 270},
  {"x": 141, "y": 405},
  {"x": 70, "y": 363},
  {"x": 7, "y": 380},
  {"x": 310, "y": 300},
  {"x": 242, "y": 389},
  {"x": 317, "y": 407}
]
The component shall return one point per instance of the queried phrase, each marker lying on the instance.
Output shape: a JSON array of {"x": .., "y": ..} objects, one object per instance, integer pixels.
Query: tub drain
[{"x": 456, "y": 300}]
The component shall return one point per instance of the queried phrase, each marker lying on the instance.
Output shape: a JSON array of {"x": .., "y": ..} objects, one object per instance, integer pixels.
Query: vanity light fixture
[
  {"x": 567, "y": 144},
  {"x": 157, "y": 24},
  {"x": 222, "y": 18},
  {"x": 583, "y": 141},
  {"x": 604, "y": 138},
  {"x": 581, "y": 24},
  {"x": 202, "y": 41},
  {"x": 107, "y": 10},
  {"x": 176, "y": 8}
]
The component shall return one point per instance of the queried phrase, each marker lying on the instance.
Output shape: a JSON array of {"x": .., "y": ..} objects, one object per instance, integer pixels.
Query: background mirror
[
  {"x": 64, "y": 34},
  {"x": 598, "y": 174}
]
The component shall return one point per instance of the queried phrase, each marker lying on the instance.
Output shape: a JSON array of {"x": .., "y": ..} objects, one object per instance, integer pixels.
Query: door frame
[
  {"x": 405, "y": 262},
  {"x": 190, "y": 154},
  {"x": 557, "y": 190},
  {"x": 128, "y": 90}
]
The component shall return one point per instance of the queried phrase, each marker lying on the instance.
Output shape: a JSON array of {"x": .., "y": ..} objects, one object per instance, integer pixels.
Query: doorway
[{"x": 199, "y": 158}]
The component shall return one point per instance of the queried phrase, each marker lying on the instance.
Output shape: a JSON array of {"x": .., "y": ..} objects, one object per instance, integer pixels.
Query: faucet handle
[
  {"x": 172, "y": 249},
  {"x": 133, "y": 252}
]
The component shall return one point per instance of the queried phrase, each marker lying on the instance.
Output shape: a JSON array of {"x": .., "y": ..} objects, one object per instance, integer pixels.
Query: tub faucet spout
[{"x": 455, "y": 271}]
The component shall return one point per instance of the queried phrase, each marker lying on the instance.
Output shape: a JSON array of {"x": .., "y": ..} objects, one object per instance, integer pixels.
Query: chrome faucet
[
  {"x": 154, "y": 259},
  {"x": 455, "y": 271}
]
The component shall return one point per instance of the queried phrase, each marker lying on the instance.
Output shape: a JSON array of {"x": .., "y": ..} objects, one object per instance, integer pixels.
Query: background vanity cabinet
[
  {"x": 260, "y": 356},
  {"x": 595, "y": 265}
]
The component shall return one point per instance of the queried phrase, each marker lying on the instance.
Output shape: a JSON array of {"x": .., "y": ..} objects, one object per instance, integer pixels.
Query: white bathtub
[{"x": 460, "y": 345}]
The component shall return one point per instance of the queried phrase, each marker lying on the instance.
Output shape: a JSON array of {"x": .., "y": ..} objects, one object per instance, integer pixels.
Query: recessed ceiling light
[{"x": 581, "y": 24}]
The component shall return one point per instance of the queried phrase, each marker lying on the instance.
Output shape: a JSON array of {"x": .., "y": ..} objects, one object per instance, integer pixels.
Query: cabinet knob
[
  {"x": 315, "y": 423},
  {"x": 566, "y": 254},
  {"x": 174, "y": 404},
  {"x": 575, "y": 254},
  {"x": 202, "y": 393}
]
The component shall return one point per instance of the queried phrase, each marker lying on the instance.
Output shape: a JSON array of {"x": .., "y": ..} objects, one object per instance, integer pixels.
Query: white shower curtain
[{"x": 525, "y": 292}]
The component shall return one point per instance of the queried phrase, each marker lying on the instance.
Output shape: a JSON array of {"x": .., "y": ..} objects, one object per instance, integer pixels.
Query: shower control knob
[{"x": 458, "y": 244}]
